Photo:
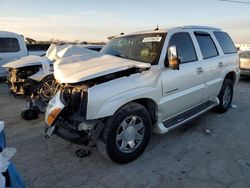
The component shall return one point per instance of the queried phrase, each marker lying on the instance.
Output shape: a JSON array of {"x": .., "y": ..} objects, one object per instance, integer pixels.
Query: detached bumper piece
[{"x": 36, "y": 105}]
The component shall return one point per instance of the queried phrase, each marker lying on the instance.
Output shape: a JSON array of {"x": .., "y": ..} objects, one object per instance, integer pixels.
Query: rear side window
[
  {"x": 207, "y": 46},
  {"x": 185, "y": 47},
  {"x": 225, "y": 42},
  {"x": 9, "y": 45}
]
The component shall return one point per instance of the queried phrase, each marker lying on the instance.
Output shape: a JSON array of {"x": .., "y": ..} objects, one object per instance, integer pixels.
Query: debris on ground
[
  {"x": 82, "y": 153},
  {"x": 233, "y": 106},
  {"x": 207, "y": 131}
]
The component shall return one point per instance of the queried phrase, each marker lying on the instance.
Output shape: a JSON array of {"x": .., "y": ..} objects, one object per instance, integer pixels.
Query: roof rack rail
[{"x": 199, "y": 27}]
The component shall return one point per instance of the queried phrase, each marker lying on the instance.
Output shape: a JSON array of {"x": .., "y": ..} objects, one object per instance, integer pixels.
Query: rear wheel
[
  {"x": 126, "y": 133},
  {"x": 225, "y": 96}
]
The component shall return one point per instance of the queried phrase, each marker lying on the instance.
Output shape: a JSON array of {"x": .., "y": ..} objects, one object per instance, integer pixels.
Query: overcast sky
[{"x": 95, "y": 20}]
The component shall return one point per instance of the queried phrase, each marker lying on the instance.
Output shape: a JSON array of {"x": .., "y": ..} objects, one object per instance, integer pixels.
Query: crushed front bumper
[{"x": 65, "y": 124}]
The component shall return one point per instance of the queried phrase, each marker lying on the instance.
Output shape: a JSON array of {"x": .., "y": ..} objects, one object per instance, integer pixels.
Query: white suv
[{"x": 142, "y": 82}]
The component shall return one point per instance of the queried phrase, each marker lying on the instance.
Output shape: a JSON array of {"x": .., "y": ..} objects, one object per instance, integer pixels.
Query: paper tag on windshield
[{"x": 152, "y": 39}]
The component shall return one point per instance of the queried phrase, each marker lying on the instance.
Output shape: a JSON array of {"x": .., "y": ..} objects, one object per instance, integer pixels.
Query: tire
[
  {"x": 115, "y": 141},
  {"x": 225, "y": 96}
]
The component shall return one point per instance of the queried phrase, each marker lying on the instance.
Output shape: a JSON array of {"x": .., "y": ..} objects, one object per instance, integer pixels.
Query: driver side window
[{"x": 185, "y": 47}]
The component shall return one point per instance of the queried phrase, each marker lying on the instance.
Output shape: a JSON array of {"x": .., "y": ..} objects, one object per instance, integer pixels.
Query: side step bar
[{"x": 186, "y": 116}]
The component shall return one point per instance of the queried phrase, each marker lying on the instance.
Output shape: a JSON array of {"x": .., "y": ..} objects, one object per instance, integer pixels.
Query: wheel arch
[
  {"x": 151, "y": 107},
  {"x": 231, "y": 76}
]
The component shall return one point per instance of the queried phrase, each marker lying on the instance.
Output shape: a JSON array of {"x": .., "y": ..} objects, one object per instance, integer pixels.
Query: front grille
[{"x": 75, "y": 98}]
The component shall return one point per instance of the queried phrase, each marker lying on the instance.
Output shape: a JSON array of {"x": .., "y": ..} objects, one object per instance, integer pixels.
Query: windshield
[{"x": 142, "y": 47}]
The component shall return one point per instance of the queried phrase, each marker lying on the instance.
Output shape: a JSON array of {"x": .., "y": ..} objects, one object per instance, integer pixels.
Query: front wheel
[
  {"x": 126, "y": 133},
  {"x": 225, "y": 96},
  {"x": 48, "y": 87}
]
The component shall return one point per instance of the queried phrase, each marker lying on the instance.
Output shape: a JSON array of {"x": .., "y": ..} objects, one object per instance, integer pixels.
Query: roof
[
  {"x": 8, "y": 33},
  {"x": 165, "y": 30}
]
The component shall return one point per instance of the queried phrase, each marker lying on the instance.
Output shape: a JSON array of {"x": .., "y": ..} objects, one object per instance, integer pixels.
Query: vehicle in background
[
  {"x": 12, "y": 46},
  {"x": 245, "y": 63},
  {"x": 151, "y": 80},
  {"x": 37, "y": 49},
  {"x": 33, "y": 73}
]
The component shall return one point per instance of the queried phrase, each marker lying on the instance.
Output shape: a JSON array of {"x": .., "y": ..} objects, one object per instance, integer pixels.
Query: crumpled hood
[
  {"x": 27, "y": 61},
  {"x": 81, "y": 68}
]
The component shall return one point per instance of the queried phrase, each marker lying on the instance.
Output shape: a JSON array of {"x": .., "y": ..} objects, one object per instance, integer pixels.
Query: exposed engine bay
[{"x": 18, "y": 80}]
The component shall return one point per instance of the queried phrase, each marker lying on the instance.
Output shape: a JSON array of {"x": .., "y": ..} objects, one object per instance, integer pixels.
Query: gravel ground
[{"x": 211, "y": 151}]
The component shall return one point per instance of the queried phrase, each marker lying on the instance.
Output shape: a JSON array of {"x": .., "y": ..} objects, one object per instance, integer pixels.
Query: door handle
[
  {"x": 199, "y": 70},
  {"x": 220, "y": 64}
]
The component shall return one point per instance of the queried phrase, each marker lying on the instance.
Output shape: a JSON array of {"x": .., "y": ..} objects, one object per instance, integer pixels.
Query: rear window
[
  {"x": 225, "y": 42},
  {"x": 207, "y": 46},
  {"x": 9, "y": 45}
]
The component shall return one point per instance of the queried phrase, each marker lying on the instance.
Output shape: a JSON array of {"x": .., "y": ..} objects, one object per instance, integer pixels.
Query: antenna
[{"x": 157, "y": 28}]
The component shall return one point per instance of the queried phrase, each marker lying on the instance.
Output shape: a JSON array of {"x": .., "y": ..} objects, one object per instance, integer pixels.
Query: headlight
[{"x": 54, "y": 108}]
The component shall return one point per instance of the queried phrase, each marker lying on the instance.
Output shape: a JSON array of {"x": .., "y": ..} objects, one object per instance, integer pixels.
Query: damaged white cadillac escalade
[{"x": 142, "y": 82}]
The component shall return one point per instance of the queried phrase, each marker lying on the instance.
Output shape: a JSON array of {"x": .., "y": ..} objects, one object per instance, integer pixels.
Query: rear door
[
  {"x": 183, "y": 88},
  {"x": 212, "y": 63}
]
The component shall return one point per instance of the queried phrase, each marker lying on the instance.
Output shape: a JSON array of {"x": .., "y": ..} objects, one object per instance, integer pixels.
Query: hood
[
  {"x": 81, "y": 68},
  {"x": 26, "y": 61},
  {"x": 74, "y": 50},
  {"x": 53, "y": 51}
]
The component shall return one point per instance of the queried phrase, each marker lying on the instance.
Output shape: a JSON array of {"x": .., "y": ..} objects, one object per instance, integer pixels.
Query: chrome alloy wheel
[
  {"x": 49, "y": 89},
  {"x": 226, "y": 96},
  {"x": 130, "y": 134}
]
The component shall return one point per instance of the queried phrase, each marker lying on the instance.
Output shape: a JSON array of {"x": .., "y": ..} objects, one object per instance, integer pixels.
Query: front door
[{"x": 183, "y": 88}]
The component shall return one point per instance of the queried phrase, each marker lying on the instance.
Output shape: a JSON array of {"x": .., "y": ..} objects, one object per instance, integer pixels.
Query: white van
[{"x": 12, "y": 46}]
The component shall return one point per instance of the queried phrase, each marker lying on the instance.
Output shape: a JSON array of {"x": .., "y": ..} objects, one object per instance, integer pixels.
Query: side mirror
[{"x": 173, "y": 59}]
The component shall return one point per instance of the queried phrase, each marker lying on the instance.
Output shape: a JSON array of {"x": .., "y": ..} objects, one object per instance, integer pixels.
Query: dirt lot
[{"x": 211, "y": 151}]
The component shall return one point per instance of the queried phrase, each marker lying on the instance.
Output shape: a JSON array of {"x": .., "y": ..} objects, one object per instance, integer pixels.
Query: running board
[{"x": 186, "y": 116}]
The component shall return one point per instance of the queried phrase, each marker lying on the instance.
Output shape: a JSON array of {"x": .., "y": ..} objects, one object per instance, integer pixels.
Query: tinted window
[
  {"x": 9, "y": 45},
  {"x": 207, "y": 46},
  {"x": 225, "y": 42},
  {"x": 185, "y": 47}
]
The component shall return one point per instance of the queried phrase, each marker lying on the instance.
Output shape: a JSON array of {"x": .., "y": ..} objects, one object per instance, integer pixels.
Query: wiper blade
[{"x": 120, "y": 55}]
